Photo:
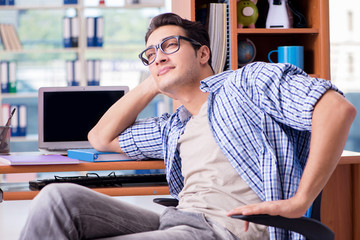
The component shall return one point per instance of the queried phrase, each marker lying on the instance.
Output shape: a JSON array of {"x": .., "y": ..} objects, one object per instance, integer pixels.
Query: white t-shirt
[{"x": 211, "y": 185}]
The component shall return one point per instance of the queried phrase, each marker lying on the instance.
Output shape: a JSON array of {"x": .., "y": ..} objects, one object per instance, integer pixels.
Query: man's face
[{"x": 176, "y": 70}]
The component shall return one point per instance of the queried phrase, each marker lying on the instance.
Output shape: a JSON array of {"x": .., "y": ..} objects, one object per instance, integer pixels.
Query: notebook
[{"x": 66, "y": 114}]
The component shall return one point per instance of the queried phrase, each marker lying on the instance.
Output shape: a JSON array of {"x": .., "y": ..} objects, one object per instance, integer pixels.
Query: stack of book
[
  {"x": 8, "y": 76},
  {"x": 9, "y": 37}
]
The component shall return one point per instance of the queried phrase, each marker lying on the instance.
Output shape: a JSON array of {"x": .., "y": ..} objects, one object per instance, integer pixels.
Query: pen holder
[{"x": 4, "y": 139}]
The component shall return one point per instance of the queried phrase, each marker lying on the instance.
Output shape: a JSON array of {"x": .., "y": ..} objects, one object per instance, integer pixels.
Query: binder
[
  {"x": 66, "y": 32},
  {"x": 77, "y": 73},
  {"x": 22, "y": 120},
  {"x": 91, "y": 155},
  {"x": 90, "y": 33},
  {"x": 74, "y": 32},
  {"x": 4, "y": 76},
  {"x": 5, "y": 113},
  {"x": 69, "y": 73},
  {"x": 12, "y": 77},
  {"x": 90, "y": 78},
  {"x": 97, "y": 72},
  {"x": 14, "y": 121},
  {"x": 99, "y": 31}
]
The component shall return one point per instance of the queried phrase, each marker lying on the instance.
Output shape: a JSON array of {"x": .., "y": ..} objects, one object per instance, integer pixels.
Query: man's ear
[{"x": 204, "y": 54}]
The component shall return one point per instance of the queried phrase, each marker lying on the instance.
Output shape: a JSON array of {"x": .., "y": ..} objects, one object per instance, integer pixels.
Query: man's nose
[{"x": 160, "y": 56}]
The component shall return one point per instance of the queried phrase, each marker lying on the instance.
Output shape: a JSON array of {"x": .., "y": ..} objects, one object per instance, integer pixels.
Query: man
[{"x": 238, "y": 144}]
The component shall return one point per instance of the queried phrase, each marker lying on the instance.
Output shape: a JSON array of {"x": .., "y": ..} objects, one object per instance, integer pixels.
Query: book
[
  {"x": 10, "y": 37},
  {"x": 91, "y": 155},
  {"x": 31, "y": 159}
]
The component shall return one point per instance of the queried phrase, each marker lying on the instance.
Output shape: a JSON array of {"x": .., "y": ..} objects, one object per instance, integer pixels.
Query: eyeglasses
[{"x": 168, "y": 46}]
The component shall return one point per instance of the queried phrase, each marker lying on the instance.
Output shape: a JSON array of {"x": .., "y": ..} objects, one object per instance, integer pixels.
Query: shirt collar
[
  {"x": 183, "y": 114},
  {"x": 213, "y": 83}
]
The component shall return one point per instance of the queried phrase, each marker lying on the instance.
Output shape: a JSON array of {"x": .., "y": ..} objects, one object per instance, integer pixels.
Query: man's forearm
[{"x": 121, "y": 115}]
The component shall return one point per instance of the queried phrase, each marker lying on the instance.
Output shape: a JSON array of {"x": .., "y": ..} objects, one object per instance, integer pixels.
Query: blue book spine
[
  {"x": 99, "y": 31},
  {"x": 4, "y": 76},
  {"x": 22, "y": 112},
  {"x": 14, "y": 121},
  {"x": 11, "y": 2},
  {"x": 66, "y": 32},
  {"x": 2, "y": 2}
]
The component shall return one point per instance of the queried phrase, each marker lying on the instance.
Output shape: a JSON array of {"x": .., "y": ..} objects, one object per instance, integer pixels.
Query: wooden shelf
[{"x": 277, "y": 31}]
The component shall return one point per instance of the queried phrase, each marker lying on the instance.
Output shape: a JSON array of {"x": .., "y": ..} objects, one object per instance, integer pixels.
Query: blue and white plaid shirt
[{"x": 260, "y": 116}]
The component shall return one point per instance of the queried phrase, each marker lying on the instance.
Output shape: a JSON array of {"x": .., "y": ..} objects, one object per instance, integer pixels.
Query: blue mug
[{"x": 289, "y": 54}]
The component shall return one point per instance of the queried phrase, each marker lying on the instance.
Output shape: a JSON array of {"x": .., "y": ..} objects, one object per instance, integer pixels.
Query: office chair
[{"x": 310, "y": 227}]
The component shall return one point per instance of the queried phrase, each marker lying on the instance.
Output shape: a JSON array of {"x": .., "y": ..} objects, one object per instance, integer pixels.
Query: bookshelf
[
  {"x": 314, "y": 37},
  {"x": 57, "y": 55}
]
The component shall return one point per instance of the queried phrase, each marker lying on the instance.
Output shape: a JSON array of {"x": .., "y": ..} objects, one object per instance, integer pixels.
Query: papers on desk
[{"x": 17, "y": 160}]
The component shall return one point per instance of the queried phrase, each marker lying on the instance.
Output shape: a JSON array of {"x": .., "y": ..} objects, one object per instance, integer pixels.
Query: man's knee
[{"x": 56, "y": 193}]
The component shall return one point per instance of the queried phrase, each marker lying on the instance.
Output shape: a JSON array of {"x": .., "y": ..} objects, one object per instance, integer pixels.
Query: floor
[{"x": 13, "y": 213}]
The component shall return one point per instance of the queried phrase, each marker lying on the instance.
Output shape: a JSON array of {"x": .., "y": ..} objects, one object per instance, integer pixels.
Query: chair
[{"x": 311, "y": 227}]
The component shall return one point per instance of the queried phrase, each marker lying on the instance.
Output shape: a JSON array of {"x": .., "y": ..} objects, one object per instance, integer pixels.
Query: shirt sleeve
[
  {"x": 143, "y": 139},
  {"x": 283, "y": 91}
]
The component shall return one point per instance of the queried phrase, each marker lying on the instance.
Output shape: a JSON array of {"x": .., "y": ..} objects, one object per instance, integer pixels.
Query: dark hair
[{"x": 193, "y": 30}]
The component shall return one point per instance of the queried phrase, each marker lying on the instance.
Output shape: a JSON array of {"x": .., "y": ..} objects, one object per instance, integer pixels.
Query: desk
[
  {"x": 340, "y": 206},
  {"x": 22, "y": 193}
]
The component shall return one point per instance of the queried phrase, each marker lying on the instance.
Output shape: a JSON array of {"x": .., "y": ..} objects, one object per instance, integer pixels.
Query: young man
[{"x": 261, "y": 139}]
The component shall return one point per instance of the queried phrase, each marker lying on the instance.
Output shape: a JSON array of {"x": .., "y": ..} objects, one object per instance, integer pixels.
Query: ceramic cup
[{"x": 289, "y": 54}]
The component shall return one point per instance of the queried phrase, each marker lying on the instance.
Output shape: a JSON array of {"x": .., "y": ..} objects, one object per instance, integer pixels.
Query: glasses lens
[
  {"x": 170, "y": 45},
  {"x": 148, "y": 56}
]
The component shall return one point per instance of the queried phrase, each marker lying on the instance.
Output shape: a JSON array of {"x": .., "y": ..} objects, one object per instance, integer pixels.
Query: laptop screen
[{"x": 66, "y": 114}]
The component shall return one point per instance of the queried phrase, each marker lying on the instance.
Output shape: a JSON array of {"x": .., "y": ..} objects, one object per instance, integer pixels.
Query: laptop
[{"x": 66, "y": 114}]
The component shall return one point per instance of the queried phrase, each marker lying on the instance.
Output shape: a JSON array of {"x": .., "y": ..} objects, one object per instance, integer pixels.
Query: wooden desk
[
  {"x": 340, "y": 206},
  {"x": 22, "y": 193}
]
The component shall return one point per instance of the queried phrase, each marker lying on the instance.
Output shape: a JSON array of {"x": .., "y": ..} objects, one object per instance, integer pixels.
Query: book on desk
[
  {"x": 91, "y": 155},
  {"x": 35, "y": 159}
]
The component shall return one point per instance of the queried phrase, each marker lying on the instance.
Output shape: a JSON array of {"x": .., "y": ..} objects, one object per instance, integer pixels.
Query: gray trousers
[{"x": 69, "y": 211}]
